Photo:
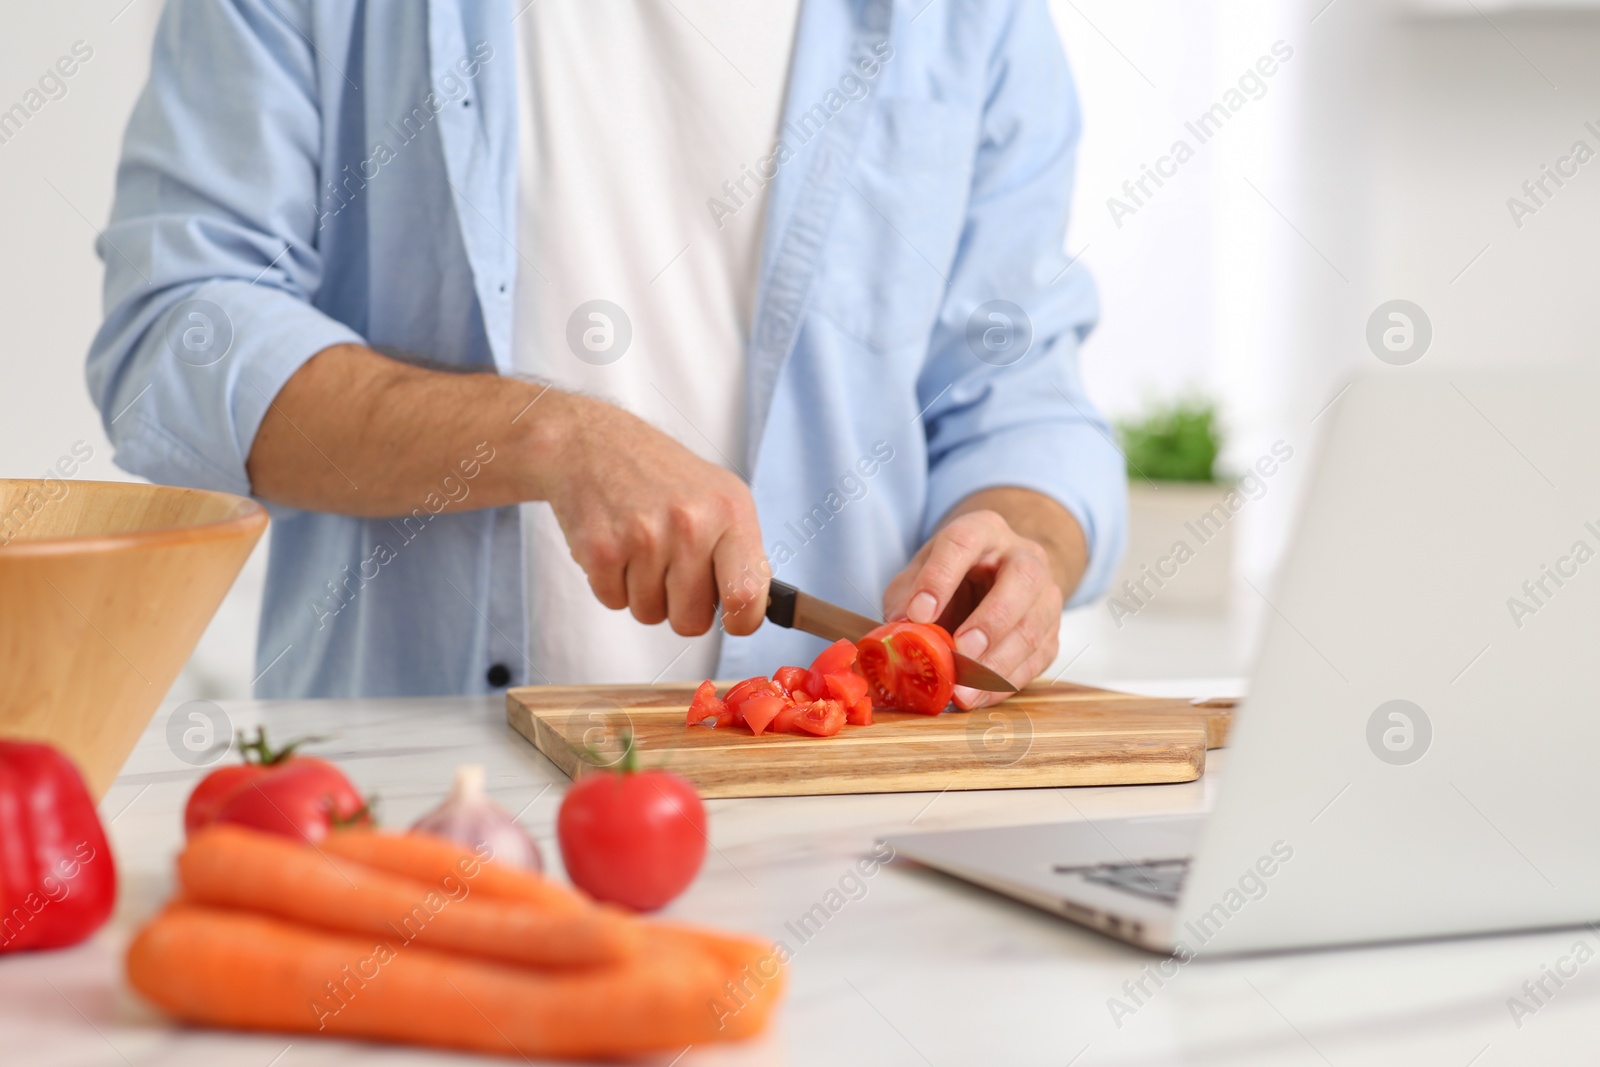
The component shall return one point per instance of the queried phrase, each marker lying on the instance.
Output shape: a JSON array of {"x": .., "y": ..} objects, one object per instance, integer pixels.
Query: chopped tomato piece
[
  {"x": 836, "y": 657},
  {"x": 845, "y": 686},
  {"x": 824, "y": 718},
  {"x": 850, "y": 689},
  {"x": 795, "y": 699},
  {"x": 705, "y": 704},
  {"x": 783, "y": 722},
  {"x": 758, "y": 686},
  {"x": 794, "y": 679},
  {"x": 759, "y": 711},
  {"x": 908, "y": 667}
]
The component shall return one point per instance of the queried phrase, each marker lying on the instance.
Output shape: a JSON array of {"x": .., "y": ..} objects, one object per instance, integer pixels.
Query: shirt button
[{"x": 498, "y": 675}]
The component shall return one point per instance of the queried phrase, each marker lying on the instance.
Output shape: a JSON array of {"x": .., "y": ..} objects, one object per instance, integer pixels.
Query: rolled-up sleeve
[
  {"x": 1005, "y": 401},
  {"x": 211, "y": 255}
]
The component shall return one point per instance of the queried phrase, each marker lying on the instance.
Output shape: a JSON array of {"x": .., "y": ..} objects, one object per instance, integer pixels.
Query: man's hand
[
  {"x": 657, "y": 529},
  {"x": 999, "y": 592}
]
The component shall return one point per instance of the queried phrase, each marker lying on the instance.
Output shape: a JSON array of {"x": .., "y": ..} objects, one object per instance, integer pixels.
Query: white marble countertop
[{"x": 920, "y": 970}]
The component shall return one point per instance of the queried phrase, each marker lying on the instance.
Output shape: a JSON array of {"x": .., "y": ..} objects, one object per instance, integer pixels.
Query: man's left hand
[{"x": 997, "y": 591}]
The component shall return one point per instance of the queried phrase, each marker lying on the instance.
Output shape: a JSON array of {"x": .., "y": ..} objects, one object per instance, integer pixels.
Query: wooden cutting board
[{"x": 1047, "y": 735}]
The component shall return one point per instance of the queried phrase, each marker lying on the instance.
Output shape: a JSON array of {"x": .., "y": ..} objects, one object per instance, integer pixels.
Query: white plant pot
[{"x": 1180, "y": 547}]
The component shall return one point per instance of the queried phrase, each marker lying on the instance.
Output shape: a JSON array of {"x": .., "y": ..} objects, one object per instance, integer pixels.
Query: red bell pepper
[{"x": 57, "y": 880}]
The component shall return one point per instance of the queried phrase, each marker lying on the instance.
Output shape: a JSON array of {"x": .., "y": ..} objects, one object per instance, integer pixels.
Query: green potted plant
[
  {"x": 1176, "y": 441},
  {"x": 1180, "y": 533}
]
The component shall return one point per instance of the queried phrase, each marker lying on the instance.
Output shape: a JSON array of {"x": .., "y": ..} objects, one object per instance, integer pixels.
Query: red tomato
[
  {"x": 845, "y": 686},
  {"x": 278, "y": 792},
  {"x": 780, "y": 704},
  {"x": 908, "y": 666},
  {"x": 705, "y": 704},
  {"x": 757, "y": 686},
  {"x": 794, "y": 680},
  {"x": 821, "y": 717},
  {"x": 743, "y": 694},
  {"x": 759, "y": 711},
  {"x": 783, "y": 722},
  {"x": 303, "y": 798},
  {"x": 839, "y": 656},
  {"x": 57, "y": 881},
  {"x": 207, "y": 798},
  {"x": 850, "y": 689},
  {"x": 635, "y": 838}
]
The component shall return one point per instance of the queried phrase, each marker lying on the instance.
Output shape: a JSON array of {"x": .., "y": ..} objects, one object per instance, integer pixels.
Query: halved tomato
[
  {"x": 794, "y": 680},
  {"x": 908, "y": 666},
  {"x": 705, "y": 704}
]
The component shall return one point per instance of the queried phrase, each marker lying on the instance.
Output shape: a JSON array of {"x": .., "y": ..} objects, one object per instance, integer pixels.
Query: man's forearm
[
  {"x": 358, "y": 433},
  {"x": 1040, "y": 519},
  {"x": 655, "y": 528}
]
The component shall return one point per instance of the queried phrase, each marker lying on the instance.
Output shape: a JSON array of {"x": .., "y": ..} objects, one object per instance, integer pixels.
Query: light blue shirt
[{"x": 304, "y": 173}]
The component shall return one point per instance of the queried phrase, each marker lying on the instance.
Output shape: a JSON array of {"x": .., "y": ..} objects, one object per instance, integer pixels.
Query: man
[{"x": 518, "y": 315}]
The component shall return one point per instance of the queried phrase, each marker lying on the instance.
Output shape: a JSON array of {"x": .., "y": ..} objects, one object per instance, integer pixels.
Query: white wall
[
  {"x": 55, "y": 187},
  {"x": 1377, "y": 166},
  {"x": 1194, "y": 297}
]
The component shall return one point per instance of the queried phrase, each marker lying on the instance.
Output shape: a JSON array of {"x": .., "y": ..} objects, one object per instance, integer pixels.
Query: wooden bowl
[{"x": 105, "y": 587}]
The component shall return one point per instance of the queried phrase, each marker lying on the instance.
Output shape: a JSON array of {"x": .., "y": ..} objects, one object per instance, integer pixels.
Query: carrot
[
  {"x": 234, "y": 867},
  {"x": 427, "y": 858},
  {"x": 240, "y": 969}
]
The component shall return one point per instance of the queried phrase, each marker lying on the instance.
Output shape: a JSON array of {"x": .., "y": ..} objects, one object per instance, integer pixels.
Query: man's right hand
[{"x": 657, "y": 529}]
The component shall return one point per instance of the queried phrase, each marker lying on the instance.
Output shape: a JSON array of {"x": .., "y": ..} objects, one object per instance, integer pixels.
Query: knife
[{"x": 793, "y": 610}]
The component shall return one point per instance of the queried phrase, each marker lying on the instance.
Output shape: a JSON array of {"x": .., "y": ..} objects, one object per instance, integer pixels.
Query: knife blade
[{"x": 790, "y": 608}]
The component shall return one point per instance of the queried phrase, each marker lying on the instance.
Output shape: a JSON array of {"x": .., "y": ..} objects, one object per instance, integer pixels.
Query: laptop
[{"x": 1417, "y": 754}]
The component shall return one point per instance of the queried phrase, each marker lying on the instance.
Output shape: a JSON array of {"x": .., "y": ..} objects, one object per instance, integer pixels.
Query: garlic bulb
[{"x": 468, "y": 817}]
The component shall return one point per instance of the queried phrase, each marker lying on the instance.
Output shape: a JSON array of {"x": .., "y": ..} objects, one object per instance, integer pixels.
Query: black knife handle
[{"x": 781, "y": 599}]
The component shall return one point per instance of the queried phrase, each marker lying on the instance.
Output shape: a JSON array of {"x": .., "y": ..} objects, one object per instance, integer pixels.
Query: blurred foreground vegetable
[
  {"x": 279, "y": 791},
  {"x": 57, "y": 881},
  {"x": 468, "y": 817},
  {"x": 426, "y": 943},
  {"x": 232, "y": 867},
  {"x": 633, "y": 837}
]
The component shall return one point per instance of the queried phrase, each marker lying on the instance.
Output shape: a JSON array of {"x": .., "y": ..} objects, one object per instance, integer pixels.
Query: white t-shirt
[{"x": 635, "y": 114}]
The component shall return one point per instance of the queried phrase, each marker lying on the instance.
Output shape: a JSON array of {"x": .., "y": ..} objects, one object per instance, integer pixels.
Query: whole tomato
[
  {"x": 632, "y": 837},
  {"x": 277, "y": 791}
]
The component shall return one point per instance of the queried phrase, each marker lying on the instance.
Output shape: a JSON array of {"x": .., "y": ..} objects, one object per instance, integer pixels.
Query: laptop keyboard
[{"x": 1153, "y": 879}]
